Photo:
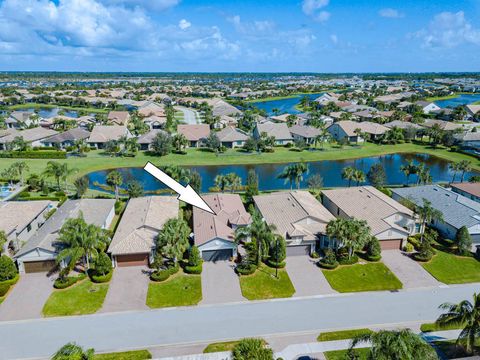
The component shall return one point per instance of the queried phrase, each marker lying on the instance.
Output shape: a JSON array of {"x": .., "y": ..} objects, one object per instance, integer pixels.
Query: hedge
[
  {"x": 4, "y": 287},
  {"x": 193, "y": 269},
  {"x": 63, "y": 283},
  {"x": 33, "y": 154},
  {"x": 173, "y": 269},
  {"x": 276, "y": 265},
  {"x": 101, "y": 278},
  {"x": 346, "y": 261},
  {"x": 423, "y": 257},
  {"x": 160, "y": 275},
  {"x": 246, "y": 269},
  {"x": 11, "y": 281},
  {"x": 373, "y": 258},
  {"x": 327, "y": 265}
]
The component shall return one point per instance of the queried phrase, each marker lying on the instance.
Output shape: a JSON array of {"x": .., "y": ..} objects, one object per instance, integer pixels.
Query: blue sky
[{"x": 257, "y": 36}]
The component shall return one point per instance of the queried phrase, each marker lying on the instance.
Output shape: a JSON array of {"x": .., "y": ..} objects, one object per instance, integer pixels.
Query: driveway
[
  {"x": 189, "y": 116},
  {"x": 128, "y": 289},
  {"x": 26, "y": 299},
  {"x": 306, "y": 276},
  {"x": 220, "y": 284},
  {"x": 408, "y": 271}
]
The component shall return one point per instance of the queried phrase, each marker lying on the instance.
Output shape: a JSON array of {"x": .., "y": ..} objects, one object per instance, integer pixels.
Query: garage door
[
  {"x": 39, "y": 266},
  {"x": 390, "y": 244},
  {"x": 215, "y": 255},
  {"x": 298, "y": 250},
  {"x": 132, "y": 260}
]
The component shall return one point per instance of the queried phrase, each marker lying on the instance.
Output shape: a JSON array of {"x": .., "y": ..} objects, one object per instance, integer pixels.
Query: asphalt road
[
  {"x": 189, "y": 116},
  {"x": 115, "y": 331}
]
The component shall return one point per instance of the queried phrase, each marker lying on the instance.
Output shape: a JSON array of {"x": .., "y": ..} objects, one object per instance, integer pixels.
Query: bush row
[
  {"x": 33, "y": 154},
  {"x": 276, "y": 265},
  {"x": 193, "y": 269},
  {"x": 245, "y": 268},
  {"x": 5, "y": 285},
  {"x": 101, "y": 278},
  {"x": 164, "y": 274},
  {"x": 67, "y": 281}
]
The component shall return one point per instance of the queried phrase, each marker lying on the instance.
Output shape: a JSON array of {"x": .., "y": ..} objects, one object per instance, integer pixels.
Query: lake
[
  {"x": 461, "y": 99},
  {"x": 284, "y": 105},
  {"x": 330, "y": 170}
]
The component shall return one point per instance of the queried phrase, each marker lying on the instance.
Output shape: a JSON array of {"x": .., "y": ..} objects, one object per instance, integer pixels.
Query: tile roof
[
  {"x": 468, "y": 187},
  {"x": 141, "y": 222},
  {"x": 231, "y": 133},
  {"x": 194, "y": 132},
  {"x": 16, "y": 215},
  {"x": 278, "y": 130},
  {"x": 286, "y": 210},
  {"x": 69, "y": 135},
  {"x": 104, "y": 133},
  {"x": 304, "y": 131},
  {"x": 229, "y": 211},
  {"x": 28, "y": 135},
  {"x": 150, "y": 136}
]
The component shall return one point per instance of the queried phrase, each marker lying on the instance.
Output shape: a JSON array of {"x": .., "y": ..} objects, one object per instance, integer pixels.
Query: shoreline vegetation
[
  {"x": 447, "y": 97},
  {"x": 96, "y": 160},
  {"x": 275, "y": 98},
  {"x": 53, "y": 106}
]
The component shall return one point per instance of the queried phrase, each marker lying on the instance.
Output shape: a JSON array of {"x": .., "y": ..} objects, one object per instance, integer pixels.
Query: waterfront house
[
  {"x": 470, "y": 190},
  {"x": 232, "y": 137},
  {"x": 101, "y": 134},
  {"x": 67, "y": 138},
  {"x": 348, "y": 129},
  {"x": 279, "y": 131},
  {"x": 304, "y": 132},
  {"x": 33, "y": 136},
  {"x": 473, "y": 111},
  {"x": 145, "y": 141},
  {"x": 428, "y": 106},
  {"x": 19, "y": 119},
  {"x": 195, "y": 134}
]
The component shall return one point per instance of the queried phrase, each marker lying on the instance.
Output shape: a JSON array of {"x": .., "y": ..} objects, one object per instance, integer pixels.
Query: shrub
[
  {"x": 103, "y": 265},
  {"x": 373, "y": 249},
  {"x": 193, "y": 269},
  {"x": 424, "y": 257},
  {"x": 101, "y": 278},
  {"x": 4, "y": 287},
  {"x": 245, "y": 268},
  {"x": 194, "y": 258},
  {"x": 60, "y": 194},
  {"x": 463, "y": 240},
  {"x": 408, "y": 247},
  {"x": 373, "y": 258},
  {"x": 315, "y": 255},
  {"x": 276, "y": 265},
  {"x": 24, "y": 195},
  {"x": 8, "y": 270},
  {"x": 329, "y": 260},
  {"x": 33, "y": 154},
  {"x": 415, "y": 241},
  {"x": 344, "y": 260},
  {"x": 173, "y": 269},
  {"x": 252, "y": 349},
  {"x": 66, "y": 281},
  {"x": 278, "y": 250},
  {"x": 118, "y": 207},
  {"x": 160, "y": 275}
]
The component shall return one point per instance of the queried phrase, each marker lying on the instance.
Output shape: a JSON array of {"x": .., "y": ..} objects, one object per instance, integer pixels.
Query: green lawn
[
  {"x": 342, "y": 354},
  {"x": 82, "y": 298},
  {"x": 125, "y": 355},
  {"x": 429, "y": 327},
  {"x": 452, "y": 269},
  {"x": 222, "y": 346},
  {"x": 179, "y": 290},
  {"x": 264, "y": 285},
  {"x": 96, "y": 160},
  {"x": 53, "y": 106},
  {"x": 342, "y": 334},
  {"x": 362, "y": 277}
]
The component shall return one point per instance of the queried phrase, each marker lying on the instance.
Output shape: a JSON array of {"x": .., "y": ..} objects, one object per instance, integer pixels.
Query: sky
[{"x": 240, "y": 36}]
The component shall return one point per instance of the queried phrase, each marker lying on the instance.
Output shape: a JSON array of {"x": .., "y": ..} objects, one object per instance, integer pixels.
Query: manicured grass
[
  {"x": 264, "y": 285},
  {"x": 96, "y": 160},
  {"x": 223, "y": 346},
  {"x": 125, "y": 355},
  {"x": 452, "y": 269},
  {"x": 429, "y": 327},
  {"x": 82, "y": 298},
  {"x": 362, "y": 277},
  {"x": 53, "y": 106},
  {"x": 342, "y": 354},
  {"x": 179, "y": 290},
  {"x": 342, "y": 334}
]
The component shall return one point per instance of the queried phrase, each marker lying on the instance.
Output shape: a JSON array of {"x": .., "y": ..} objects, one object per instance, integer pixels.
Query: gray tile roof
[
  {"x": 94, "y": 211},
  {"x": 230, "y": 134},
  {"x": 457, "y": 210},
  {"x": 150, "y": 136},
  {"x": 69, "y": 135},
  {"x": 304, "y": 131},
  {"x": 278, "y": 130}
]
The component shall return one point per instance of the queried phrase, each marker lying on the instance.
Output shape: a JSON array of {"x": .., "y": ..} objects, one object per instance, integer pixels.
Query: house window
[
  {"x": 29, "y": 227},
  {"x": 338, "y": 211}
]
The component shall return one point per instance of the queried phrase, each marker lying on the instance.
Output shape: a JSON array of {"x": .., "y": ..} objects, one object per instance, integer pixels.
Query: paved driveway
[
  {"x": 128, "y": 289},
  {"x": 307, "y": 278},
  {"x": 190, "y": 116},
  {"x": 220, "y": 284},
  {"x": 26, "y": 299},
  {"x": 410, "y": 273}
]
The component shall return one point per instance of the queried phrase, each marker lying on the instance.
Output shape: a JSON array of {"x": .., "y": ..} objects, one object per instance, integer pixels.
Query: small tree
[
  {"x": 196, "y": 181},
  {"x": 81, "y": 185},
  {"x": 3, "y": 240},
  {"x": 72, "y": 351},
  {"x": 252, "y": 184},
  {"x": 162, "y": 144},
  {"x": 248, "y": 349},
  {"x": 376, "y": 175},
  {"x": 8, "y": 270},
  {"x": 213, "y": 142},
  {"x": 278, "y": 250},
  {"x": 103, "y": 264},
  {"x": 464, "y": 240},
  {"x": 194, "y": 258},
  {"x": 373, "y": 248},
  {"x": 134, "y": 189}
]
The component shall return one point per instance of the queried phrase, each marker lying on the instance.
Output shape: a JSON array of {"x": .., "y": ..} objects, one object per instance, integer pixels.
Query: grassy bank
[
  {"x": 273, "y": 98},
  {"x": 52, "y": 106},
  {"x": 97, "y": 161},
  {"x": 447, "y": 97}
]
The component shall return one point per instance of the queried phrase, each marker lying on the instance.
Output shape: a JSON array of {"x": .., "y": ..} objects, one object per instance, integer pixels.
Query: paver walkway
[
  {"x": 220, "y": 284},
  {"x": 408, "y": 271},
  {"x": 128, "y": 289},
  {"x": 307, "y": 277},
  {"x": 26, "y": 299}
]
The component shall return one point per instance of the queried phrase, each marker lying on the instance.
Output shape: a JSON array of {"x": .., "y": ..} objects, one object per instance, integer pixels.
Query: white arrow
[{"x": 185, "y": 193}]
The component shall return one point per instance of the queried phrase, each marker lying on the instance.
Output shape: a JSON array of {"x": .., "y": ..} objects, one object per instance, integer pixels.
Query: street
[{"x": 139, "y": 329}]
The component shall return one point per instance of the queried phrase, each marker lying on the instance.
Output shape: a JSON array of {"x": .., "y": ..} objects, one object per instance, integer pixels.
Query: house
[
  {"x": 195, "y": 134},
  {"x": 473, "y": 111},
  {"x": 469, "y": 140},
  {"x": 220, "y": 107},
  {"x": 120, "y": 118},
  {"x": 402, "y": 125},
  {"x": 40, "y": 252},
  {"x": 232, "y": 137},
  {"x": 280, "y": 132},
  {"x": 20, "y": 219},
  {"x": 348, "y": 129},
  {"x": 101, "y": 134},
  {"x": 67, "y": 138},
  {"x": 151, "y": 108},
  {"x": 428, "y": 106},
  {"x": 19, "y": 119},
  {"x": 304, "y": 132},
  {"x": 85, "y": 121},
  {"x": 467, "y": 189},
  {"x": 326, "y": 98},
  {"x": 33, "y": 136},
  {"x": 444, "y": 125},
  {"x": 457, "y": 209},
  {"x": 390, "y": 222},
  {"x": 155, "y": 122},
  {"x": 145, "y": 141},
  {"x": 134, "y": 240},
  {"x": 214, "y": 234},
  {"x": 298, "y": 217},
  {"x": 282, "y": 118}
]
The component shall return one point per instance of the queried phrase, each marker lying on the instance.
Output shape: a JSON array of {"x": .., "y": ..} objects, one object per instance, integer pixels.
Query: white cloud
[
  {"x": 390, "y": 13},
  {"x": 334, "y": 38},
  {"x": 255, "y": 28},
  {"x": 155, "y": 5},
  {"x": 448, "y": 30},
  {"x": 313, "y": 8},
  {"x": 184, "y": 24}
]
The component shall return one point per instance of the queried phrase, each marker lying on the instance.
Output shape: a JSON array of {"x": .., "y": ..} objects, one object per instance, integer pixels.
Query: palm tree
[
  {"x": 179, "y": 142},
  {"x": 427, "y": 214},
  {"x": 80, "y": 240},
  {"x": 221, "y": 182},
  {"x": 59, "y": 171},
  {"x": 172, "y": 240},
  {"x": 455, "y": 167},
  {"x": 395, "y": 345},
  {"x": 20, "y": 167},
  {"x": 131, "y": 145},
  {"x": 350, "y": 233},
  {"x": 465, "y": 314},
  {"x": 288, "y": 174},
  {"x": 358, "y": 132},
  {"x": 115, "y": 179},
  {"x": 348, "y": 173},
  {"x": 72, "y": 351},
  {"x": 359, "y": 176},
  {"x": 464, "y": 166},
  {"x": 81, "y": 146},
  {"x": 234, "y": 181},
  {"x": 409, "y": 169}
]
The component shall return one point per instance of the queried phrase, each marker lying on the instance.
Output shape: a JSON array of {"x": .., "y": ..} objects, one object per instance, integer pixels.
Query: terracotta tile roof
[{"x": 194, "y": 132}]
